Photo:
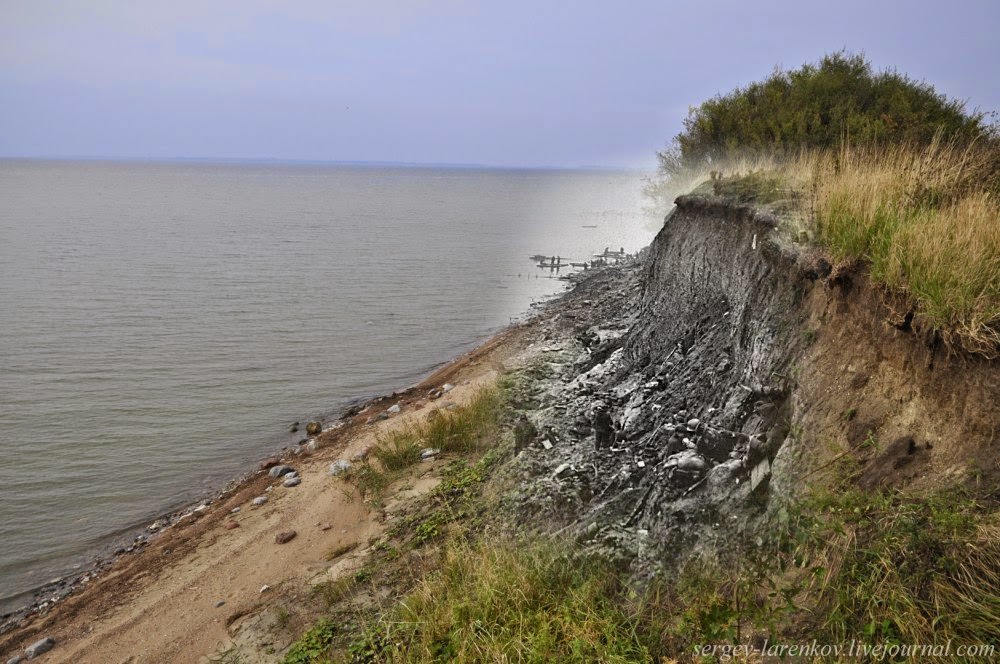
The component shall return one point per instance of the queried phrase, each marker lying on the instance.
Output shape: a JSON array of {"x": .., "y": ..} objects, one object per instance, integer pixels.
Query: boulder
[
  {"x": 339, "y": 467},
  {"x": 280, "y": 470},
  {"x": 314, "y": 428},
  {"x": 292, "y": 481},
  {"x": 39, "y": 647}
]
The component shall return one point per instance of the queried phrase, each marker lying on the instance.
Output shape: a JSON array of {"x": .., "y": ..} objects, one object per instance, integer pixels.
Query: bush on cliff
[{"x": 842, "y": 98}]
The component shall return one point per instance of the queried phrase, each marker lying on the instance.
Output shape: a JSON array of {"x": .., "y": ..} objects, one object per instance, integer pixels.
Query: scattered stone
[
  {"x": 339, "y": 467},
  {"x": 221, "y": 602},
  {"x": 314, "y": 428},
  {"x": 231, "y": 525},
  {"x": 362, "y": 454},
  {"x": 381, "y": 417},
  {"x": 294, "y": 428},
  {"x": 285, "y": 537},
  {"x": 525, "y": 433},
  {"x": 760, "y": 472},
  {"x": 259, "y": 500},
  {"x": 547, "y": 444},
  {"x": 603, "y": 429},
  {"x": 200, "y": 509},
  {"x": 326, "y": 526},
  {"x": 429, "y": 453},
  {"x": 292, "y": 481},
  {"x": 447, "y": 387},
  {"x": 693, "y": 423},
  {"x": 278, "y": 471},
  {"x": 235, "y": 510},
  {"x": 394, "y": 408},
  {"x": 563, "y": 467},
  {"x": 39, "y": 647},
  {"x": 269, "y": 463},
  {"x": 264, "y": 588}
]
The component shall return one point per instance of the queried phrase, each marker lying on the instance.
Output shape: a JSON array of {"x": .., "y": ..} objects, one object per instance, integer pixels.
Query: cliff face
[{"x": 736, "y": 368}]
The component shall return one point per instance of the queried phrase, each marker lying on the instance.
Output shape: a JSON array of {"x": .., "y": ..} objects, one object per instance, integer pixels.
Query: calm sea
[{"x": 162, "y": 324}]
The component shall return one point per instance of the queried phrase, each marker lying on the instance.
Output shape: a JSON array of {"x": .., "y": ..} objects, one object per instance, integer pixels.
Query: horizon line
[{"x": 327, "y": 162}]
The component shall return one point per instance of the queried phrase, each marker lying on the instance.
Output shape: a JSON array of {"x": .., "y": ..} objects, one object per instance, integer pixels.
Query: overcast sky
[{"x": 502, "y": 82}]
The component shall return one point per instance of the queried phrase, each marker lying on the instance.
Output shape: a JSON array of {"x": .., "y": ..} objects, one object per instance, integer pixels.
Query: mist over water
[{"x": 163, "y": 324}]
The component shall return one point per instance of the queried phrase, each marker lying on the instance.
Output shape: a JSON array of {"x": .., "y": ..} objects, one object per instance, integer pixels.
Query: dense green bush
[{"x": 820, "y": 106}]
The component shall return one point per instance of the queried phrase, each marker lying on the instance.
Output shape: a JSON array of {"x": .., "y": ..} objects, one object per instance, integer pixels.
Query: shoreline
[{"x": 133, "y": 541}]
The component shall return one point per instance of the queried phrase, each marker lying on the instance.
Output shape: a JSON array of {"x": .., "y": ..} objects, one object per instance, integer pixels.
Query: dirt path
[{"x": 175, "y": 601}]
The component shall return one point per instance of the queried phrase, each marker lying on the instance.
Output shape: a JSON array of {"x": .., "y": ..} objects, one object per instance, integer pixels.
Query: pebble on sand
[
  {"x": 285, "y": 537},
  {"x": 39, "y": 647},
  {"x": 339, "y": 467}
]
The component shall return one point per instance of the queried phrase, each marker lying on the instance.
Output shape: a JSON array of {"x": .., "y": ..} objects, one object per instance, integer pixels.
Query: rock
[
  {"x": 429, "y": 453},
  {"x": 314, "y": 428},
  {"x": 562, "y": 468},
  {"x": 221, "y": 602},
  {"x": 264, "y": 588},
  {"x": 232, "y": 525},
  {"x": 381, "y": 417},
  {"x": 235, "y": 510},
  {"x": 200, "y": 509},
  {"x": 292, "y": 481},
  {"x": 269, "y": 463},
  {"x": 760, "y": 473},
  {"x": 259, "y": 500},
  {"x": 447, "y": 387},
  {"x": 285, "y": 537},
  {"x": 39, "y": 647},
  {"x": 278, "y": 471},
  {"x": 693, "y": 423},
  {"x": 688, "y": 460},
  {"x": 394, "y": 408},
  {"x": 294, "y": 427},
  {"x": 16, "y": 659},
  {"x": 525, "y": 433},
  {"x": 362, "y": 454},
  {"x": 339, "y": 467},
  {"x": 603, "y": 429}
]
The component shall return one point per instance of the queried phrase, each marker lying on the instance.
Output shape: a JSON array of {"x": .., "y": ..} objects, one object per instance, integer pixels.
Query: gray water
[{"x": 161, "y": 324}]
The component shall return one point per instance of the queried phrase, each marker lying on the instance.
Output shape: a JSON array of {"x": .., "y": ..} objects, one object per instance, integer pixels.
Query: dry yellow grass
[{"x": 925, "y": 220}]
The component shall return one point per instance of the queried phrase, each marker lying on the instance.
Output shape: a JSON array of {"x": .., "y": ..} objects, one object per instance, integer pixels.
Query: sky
[{"x": 505, "y": 83}]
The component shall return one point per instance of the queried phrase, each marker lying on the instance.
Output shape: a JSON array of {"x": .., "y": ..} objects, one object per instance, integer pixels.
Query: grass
[
  {"x": 926, "y": 222},
  {"x": 468, "y": 428},
  {"x": 894, "y": 569},
  {"x": 496, "y": 601}
]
